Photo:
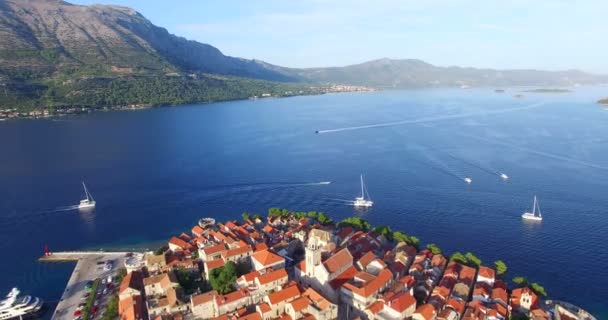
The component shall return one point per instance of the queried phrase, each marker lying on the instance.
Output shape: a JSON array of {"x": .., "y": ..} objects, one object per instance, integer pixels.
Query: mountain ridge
[{"x": 54, "y": 53}]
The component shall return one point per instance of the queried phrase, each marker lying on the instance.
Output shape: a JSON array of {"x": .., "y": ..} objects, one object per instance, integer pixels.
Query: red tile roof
[
  {"x": 272, "y": 276},
  {"x": 213, "y": 264},
  {"x": 197, "y": 230},
  {"x": 338, "y": 260},
  {"x": 288, "y": 293},
  {"x": 299, "y": 304},
  {"x": 342, "y": 278},
  {"x": 236, "y": 252},
  {"x": 231, "y": 297},
  {"x": 366, "y": 259},
  {"x": 376, "y": 307},
  {"x": 486, "y": 272},
  {"x": 133, "y": 280},
  {"x": 267, "y": 258},
  {"x": 371, "y": 287},
  {"x": 214, "y": 249},
  {"x": 427, "y": 311},
  {"x": 180, "y": 243},
  {"x": 402, "y": 302},
  {"x": 203, "y": 298},
  {"x": 261, "y": 246}
]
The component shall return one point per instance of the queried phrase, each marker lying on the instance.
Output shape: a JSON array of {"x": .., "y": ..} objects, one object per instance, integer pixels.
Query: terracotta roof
[
  {"x": 402, "y": 301},
  {"x": 180, "y": 243},
  {"x": 441, "y": 291},
  {"x": 130, "y": 308},
  {"x": 299, "y": 304},
  {"x": 261, "y": 246},
  {"x": 302, "y": 265},
  {"x": 264, "y": 307},
  {"x": 249, "y": 277},
  {"x": 317, "y": 299},
  {"x": 346, "y": 231},
  {"x": 236, "y": 252},
  {"x": 214, "y": 264},
  {"x": 214, "y": 249},
  {"x": 376, "y": 307},
  {"x": 500, "y": 293},
  {"x": 272, "y": 276},
  {"x": 371, "y": 287},
  {"x": 267, "y": 258},
  {"x": 132, "y": 280},
  {"x": 342, "y": 278},
  {"x": 231, "y": 297},
  {"x": 367, "y": 258},
  {"x": 427, "y": 311},
  {"x": 455, "y": 304},
  {"x": 268, "y": 229},
  {"x": 338, "y": 260},
  {"x": 203, "y": 298},
  {"x": 283, "y": 295},
  {"x": 197, "y": 230},
  {"x": 486, "y": 272},
  {"x": 164, "y": 279}
]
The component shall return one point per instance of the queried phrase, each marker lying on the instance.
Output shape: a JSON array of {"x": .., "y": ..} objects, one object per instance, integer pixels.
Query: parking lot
[{"x": 90, "y": 266}]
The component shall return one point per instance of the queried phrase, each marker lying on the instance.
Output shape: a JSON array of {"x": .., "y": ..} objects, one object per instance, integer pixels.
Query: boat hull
[
  {"x": 86, "y": 205},
  {"x": 530, "y": 216}
]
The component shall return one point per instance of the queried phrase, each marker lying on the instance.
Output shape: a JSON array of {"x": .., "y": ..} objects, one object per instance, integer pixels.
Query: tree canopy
[
  {"x": 434, "y": 248},
  {"x": 356, "y": 223},
  {"x": 222, "y": 279},
  {"x": 468, "y": 259},
  {"x": 501, "y": 267},
  {"x": 538, "y": 289},
  {"x": 520, "y": 281}
]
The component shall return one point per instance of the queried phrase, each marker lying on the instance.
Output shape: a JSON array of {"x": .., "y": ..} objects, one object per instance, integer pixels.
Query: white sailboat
[
  {"x": 16, "y": 306},
  {"x": 362, "y": 201},
  {"x": 535, "y": 214},
  {"x": 88, "y": 202}
]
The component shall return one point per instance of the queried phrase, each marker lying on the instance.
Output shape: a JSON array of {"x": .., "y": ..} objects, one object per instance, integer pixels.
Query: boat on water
[
  {"x": 504, "y": 176},
  {"x": 362, "y": 201},
  {"x": 16, "y": 306},
  {"x": 206, "y": 222},
  {"x": 535, "y": 215},
  {"x": 88, "y": 201},
  {"x": 468, "y": 180}
]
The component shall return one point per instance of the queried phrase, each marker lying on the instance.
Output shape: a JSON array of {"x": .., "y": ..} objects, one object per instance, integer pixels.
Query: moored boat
[{"x": 16, "y": 306}]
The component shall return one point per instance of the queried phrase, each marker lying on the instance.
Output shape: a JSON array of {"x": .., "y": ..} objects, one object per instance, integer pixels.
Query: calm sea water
[{"x": 155, "y": 172}]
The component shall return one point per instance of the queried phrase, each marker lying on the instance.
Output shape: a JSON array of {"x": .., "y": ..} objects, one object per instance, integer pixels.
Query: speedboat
[
  {"x": 504, "y": 176},
  {"x": 468, "y": 180}
]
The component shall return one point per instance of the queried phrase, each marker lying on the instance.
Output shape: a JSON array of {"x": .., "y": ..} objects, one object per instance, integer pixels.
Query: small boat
[
  {"x": 15, "y": 306},
  {"x": 206, "y": 222},
  {"x": 535, "y": 215},
  {"x": 468, "y": 180},
  {"x": 362, "y": 201},
  {"x": 504, "y": 176},
  {"x": 325, "y": 182},
  {"x": 88, "y": 202}
]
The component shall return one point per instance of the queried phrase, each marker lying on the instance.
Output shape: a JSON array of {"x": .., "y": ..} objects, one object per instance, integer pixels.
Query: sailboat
[
  {"x": 88, "y": 202},
  {"x": 535, "y": 214},
  {"x": 362, "y": 201}
]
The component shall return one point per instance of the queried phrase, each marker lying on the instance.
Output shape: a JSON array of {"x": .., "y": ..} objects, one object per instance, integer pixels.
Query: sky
[{"x": 501, "y": 34}]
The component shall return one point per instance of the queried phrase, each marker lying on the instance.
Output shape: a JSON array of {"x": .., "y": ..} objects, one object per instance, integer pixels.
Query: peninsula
[
  {"x": 302, "y": 265},
  {"x": 603, "y": 101}
]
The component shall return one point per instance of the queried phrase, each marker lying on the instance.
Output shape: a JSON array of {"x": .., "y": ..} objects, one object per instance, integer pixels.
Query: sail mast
[{"x": 362, "y": 192}]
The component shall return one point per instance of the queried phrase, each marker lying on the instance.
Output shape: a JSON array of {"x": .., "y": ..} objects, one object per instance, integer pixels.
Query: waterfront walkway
[{"x": 89, "y": 266}]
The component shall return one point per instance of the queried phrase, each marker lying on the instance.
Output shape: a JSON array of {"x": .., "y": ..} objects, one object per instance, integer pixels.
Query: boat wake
[
  {"x": 432, "y": 119},
  {"x": 488, "y": 170}
]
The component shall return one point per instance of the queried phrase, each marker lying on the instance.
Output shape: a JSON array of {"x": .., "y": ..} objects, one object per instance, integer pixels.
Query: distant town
[
  {"x": 13, "y": 113},
  {"x": 302, "y": 265}
]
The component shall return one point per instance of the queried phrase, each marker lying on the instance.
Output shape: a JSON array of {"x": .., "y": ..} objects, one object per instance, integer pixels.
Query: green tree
[
  {"x": 472, "y": 260},
  {"x": 458, "y": 257},
  {"x": 434, "y": 248},
  {"x": 400, "y": 237},
  {"x": 222, "y": 279},
  {"x": 120, "y": 274},
  {"x": 355, "y": 222},
  {"x": 111, "y": 312},
  {"x": 414, "y": 241},
  {"x": 185, "y": 280},
  {"x": 324, "y": 219},
  {"x": 538, "y": 289},
  {"x": 384, "y": 230},
  {"x": 520, "y": 281},
  {"x": 245, "y": 216},
  {"x": 501, "y": 267}
]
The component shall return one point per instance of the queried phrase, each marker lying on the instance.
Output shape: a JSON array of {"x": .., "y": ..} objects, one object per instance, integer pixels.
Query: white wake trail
[{"x": 432, "y": 119}]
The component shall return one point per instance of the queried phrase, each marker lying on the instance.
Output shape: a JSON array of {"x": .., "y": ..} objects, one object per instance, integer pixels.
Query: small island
[
  {"x": 603, "y": 101},
  {"x": 547, "y": 90}
]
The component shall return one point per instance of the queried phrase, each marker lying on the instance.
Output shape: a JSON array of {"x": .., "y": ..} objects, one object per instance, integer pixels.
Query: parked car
[
  {"x": 94, "y": 310},
  {"x": 77, "y": 313},
  {"x": 105, "y": 291}
]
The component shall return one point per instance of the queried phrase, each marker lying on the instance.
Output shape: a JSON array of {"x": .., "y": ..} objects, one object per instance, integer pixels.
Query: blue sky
[{"x": 540, "y": 34}]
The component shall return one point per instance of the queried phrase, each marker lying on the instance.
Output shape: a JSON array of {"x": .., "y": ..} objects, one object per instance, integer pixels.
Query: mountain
[
  {"x": 390, "y": 73},
  {"x": 57, "y": 55},
  {"x": 45, "y": 38}
]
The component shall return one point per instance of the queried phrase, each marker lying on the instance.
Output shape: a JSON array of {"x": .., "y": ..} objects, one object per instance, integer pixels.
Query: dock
[{"x": 87, "y": 268}]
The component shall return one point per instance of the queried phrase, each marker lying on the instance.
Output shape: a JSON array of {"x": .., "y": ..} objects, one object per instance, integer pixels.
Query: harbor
[{"x": 90, "y": 265}]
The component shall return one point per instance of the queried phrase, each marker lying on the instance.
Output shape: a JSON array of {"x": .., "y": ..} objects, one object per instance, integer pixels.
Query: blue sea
[{"x": 155, "y": 172}]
